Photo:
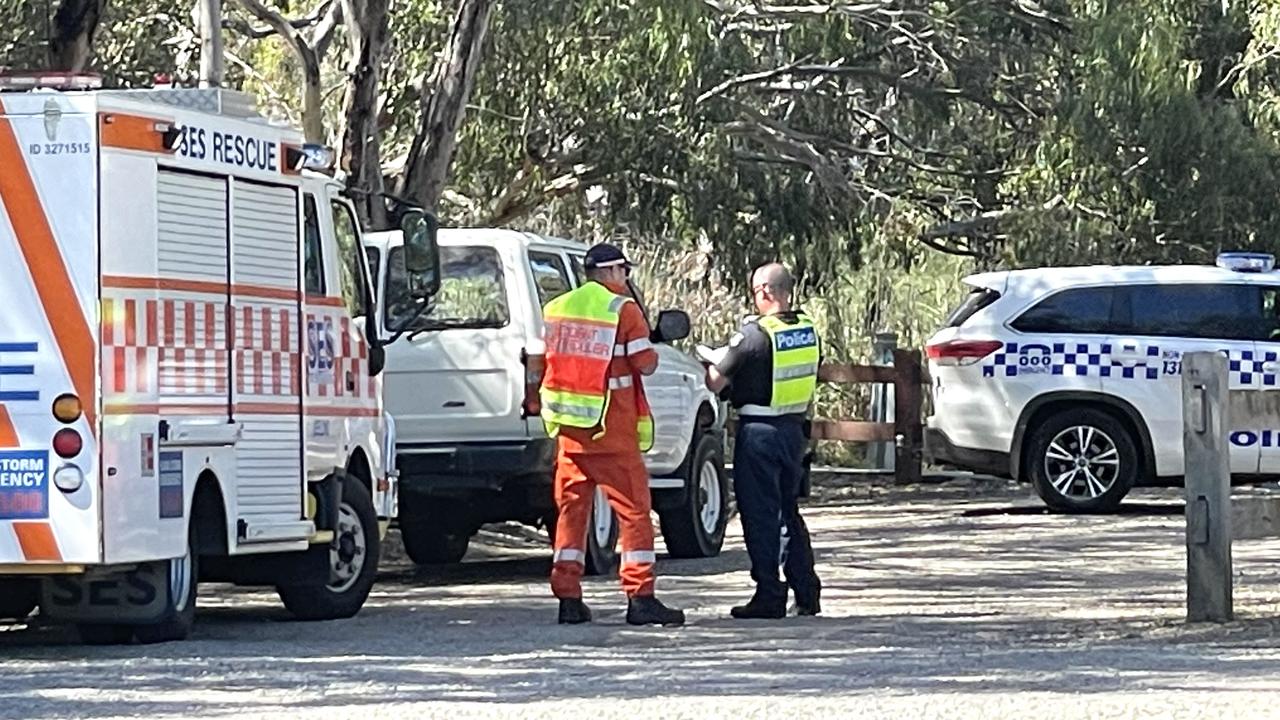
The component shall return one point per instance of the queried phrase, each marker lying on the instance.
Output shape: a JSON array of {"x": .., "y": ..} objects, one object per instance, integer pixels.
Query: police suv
[{"x": 1070, "y": 377}]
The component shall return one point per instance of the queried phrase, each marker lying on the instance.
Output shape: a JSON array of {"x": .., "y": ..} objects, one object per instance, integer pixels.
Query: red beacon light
[{"x": 20, "y": 81}]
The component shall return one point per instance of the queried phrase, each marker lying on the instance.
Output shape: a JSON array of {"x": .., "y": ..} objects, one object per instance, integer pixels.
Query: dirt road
[{"x": 958, "y": 600}]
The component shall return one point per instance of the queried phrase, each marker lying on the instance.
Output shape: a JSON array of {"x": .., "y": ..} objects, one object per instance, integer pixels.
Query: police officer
[{"x": 771, "y": 369}]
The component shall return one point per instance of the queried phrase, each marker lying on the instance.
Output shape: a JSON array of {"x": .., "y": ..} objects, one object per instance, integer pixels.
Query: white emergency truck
[{"x": 187, "y": 389}]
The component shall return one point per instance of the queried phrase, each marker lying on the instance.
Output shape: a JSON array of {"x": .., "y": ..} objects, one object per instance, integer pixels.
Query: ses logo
[{"x": 24, "y": 485}]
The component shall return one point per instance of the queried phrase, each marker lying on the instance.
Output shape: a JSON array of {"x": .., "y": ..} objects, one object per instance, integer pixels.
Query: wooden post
[
  {"x": 1205, "y": 413},
  {"x": 906, "y": 416}
]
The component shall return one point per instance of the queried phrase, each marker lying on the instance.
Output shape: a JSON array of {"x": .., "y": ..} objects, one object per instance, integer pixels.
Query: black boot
[
  {"x": 574, "y": 612},
  {"x": 762, "y": 606},
  {"x": 807, "y": 607},
  {"x": 648, "y": 610}
]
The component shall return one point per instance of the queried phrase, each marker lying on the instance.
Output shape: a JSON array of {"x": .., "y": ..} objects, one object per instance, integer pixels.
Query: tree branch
[{"x": 324, "y": 10}]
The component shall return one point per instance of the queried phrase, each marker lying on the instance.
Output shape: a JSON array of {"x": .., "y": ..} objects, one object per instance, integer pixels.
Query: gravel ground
[{"x": 962, "y": 599}]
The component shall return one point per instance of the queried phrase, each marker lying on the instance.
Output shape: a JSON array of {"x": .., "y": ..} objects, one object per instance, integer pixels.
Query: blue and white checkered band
[{"x": 1094, "y": 359}]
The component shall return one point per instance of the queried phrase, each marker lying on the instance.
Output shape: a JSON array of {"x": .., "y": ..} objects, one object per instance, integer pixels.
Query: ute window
[
  {"x": 579, "y": 271},
  {"x": 1080, "y": 310},
  {"x": 353, "y": 286},
  {"x": 313, "y": 265},
  {"x": 473, "y": 292},
  {"x": 978, "y": 298},
  {"x": 549, "y": 275},
  {"x": 1214, "y": 312}
]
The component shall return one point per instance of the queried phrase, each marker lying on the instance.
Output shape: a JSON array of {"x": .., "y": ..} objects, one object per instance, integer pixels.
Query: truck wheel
[
  {"x": 18, "y": 599},
  {"x": 182, "y": 578},
  {"x": 695, "y": 528},
  {"x": 353, "y": 562},
  {"x": 1082, "y": 460},
  {"x": 104, "y": 634},
  {"x": 428, "y": 544},
  {"x": 602, "y": 538}
]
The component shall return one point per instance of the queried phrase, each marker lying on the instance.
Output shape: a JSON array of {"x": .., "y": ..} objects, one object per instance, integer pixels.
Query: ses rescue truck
[{"x": 187, "y": 391}]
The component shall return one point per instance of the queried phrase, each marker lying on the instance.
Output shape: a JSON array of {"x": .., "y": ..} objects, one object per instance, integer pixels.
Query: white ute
[
  {"x": 187, "y": 392},
  {"x": 470, "y": 451}
]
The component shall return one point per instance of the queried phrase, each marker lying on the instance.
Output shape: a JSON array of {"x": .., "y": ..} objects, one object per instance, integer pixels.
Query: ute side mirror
[
  {"x": 420, "y": 280},
  {"x": 672, "y": 325}
]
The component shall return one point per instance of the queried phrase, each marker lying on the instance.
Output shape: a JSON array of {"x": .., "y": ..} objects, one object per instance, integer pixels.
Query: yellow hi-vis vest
[
  {"x": 795, "y": 366},
  {"x": 581, "y": 335}
]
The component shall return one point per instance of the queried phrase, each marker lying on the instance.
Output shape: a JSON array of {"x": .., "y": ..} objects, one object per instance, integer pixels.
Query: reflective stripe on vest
[
  {"x": 795, "y": 366},
  {"x": 581, "y": 333}
]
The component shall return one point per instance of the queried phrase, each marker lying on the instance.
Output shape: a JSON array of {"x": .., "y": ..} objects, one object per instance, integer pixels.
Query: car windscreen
[{"x": 472, "y": 294}]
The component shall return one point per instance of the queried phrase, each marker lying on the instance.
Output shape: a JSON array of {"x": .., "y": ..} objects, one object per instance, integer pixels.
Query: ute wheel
[
  {"x": 428, "y": 544},
  {"x": 353, "y": 562},
  {"x": 695, "y": 528},
  {"x": 1082, "y": 460},
  {"x": 602, "y": 537},
  {"x": 18, "y": 599}
]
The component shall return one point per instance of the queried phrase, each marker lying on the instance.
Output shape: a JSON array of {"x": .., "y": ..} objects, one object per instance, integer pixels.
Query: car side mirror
[
  {"x": 421, "y": 253},
  {"x": 672, "y": 325}
]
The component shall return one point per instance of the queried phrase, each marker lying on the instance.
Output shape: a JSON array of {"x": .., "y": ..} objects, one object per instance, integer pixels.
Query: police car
[{"x": 1071, "y": 377}]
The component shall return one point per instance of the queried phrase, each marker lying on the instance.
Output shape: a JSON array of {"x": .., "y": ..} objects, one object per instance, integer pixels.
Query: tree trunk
[
  {"x": 312, "y": 95},
  {"x": 212, "y": 61},
  {"x": 444, "y": 102},
  {"x": 361, "y": 152},
  {"x": 74, "y": 25}
]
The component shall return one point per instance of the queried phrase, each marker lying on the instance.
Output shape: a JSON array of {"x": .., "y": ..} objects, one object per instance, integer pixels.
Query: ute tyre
[
  {"x": 353, "y": 562},
  {"x": 428, "y": 544},
  {"x": 602, "y": 538},
  {"x": 695, "y": 528},
  {"x": 1082, "y": 460},
  {"x": 18, "y": 599}
]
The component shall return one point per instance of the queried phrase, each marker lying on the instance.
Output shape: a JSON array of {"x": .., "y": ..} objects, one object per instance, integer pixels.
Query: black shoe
[
  {"x": 761, "y": 608},
  {"x": 574, "y": 612},
  {"x": 808, "y": 607},
  {"x": 648, "y": 610}
]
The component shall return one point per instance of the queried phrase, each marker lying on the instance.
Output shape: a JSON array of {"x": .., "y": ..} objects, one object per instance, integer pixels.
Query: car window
[
  {"x": 1079, "y": 310},
  {"x": 1270, "y": 323},
  {"x": 549, "y": 275},
  {"x": 473, "y": 292},
  {"x": 1221, "y": 312},
  {"x": 579, "y": 270},
  {"x": 313, "y": 262},
  {"x": 977, "y": 299}
]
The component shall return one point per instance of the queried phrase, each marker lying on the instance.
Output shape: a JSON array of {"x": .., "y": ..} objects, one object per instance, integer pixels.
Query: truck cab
[{"x": 471, "y": 447}]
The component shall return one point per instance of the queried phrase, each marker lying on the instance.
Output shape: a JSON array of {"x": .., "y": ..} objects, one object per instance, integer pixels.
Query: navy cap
[{"x": 605, "y": 255}]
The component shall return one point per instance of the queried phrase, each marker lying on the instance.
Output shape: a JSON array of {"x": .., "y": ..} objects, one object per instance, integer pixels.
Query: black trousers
[{"x": 768, "y": 469}]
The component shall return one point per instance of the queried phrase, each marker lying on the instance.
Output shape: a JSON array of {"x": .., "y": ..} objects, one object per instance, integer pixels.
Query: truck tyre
[
  {"x": 182, "y": 579},
  {"x": 602, "y": 537},
  {"x": 1082, "y": 460},
  {"x": 353, "y": 562},
  {"x": 18, "y": 598},
  {"x": 428, "y": 544},
  {"x": 695, "y": 528}
]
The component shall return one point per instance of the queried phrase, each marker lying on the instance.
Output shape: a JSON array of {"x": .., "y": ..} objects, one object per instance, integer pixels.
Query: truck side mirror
[
  {"x": 421, "y": 253},
  {"x": 672, "y": 325}
]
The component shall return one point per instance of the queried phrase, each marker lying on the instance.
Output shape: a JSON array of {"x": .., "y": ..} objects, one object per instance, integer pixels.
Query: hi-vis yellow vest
[
  {"x": 581, "y": 337},
  {"x": 795, "y": 365}
]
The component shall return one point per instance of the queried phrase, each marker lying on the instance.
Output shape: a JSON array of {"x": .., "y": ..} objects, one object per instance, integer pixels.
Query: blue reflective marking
[
  {"x": 17, "y": 370},
  {"x": 19, "y": 347},
  {"x": 19, "y": 395}
]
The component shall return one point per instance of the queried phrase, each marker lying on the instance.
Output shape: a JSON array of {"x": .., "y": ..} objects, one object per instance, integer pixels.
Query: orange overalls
[{"x": 614, "y": 463}]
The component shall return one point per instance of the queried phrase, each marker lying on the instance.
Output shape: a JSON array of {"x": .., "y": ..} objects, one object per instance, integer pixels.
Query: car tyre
[
  {"x": 182, "y": 578},
  {"x": 353, "y": 562},
  {"x": 1082, "y": 460}
]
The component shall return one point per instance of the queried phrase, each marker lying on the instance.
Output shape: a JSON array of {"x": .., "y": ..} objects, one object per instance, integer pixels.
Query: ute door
[{"x": 455, "y": 376}]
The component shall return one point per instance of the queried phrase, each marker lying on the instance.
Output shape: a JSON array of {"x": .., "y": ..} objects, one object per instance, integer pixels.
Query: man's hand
[{"x": 715, "y": 380}]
